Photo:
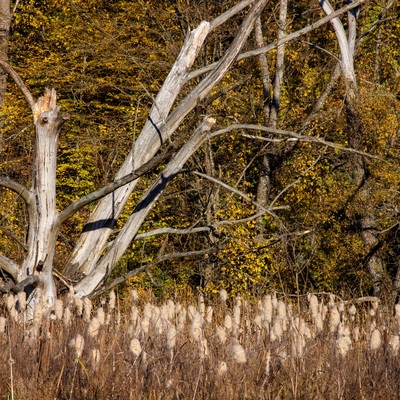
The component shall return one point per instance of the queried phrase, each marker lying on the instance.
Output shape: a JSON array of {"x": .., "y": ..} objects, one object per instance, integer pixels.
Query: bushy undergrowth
[{"x": 314, "y": 348}]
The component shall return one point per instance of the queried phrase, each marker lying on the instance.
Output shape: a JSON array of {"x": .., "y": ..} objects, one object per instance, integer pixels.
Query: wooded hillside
[{"x": 256, "y": 170}]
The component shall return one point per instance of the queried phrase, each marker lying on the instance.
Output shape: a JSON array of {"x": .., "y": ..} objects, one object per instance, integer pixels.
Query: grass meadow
[{"x": 312, "y": 347}]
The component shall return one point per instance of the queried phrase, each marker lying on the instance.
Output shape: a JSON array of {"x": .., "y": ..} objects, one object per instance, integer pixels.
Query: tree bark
[
  {"x": 368, "y": 224},
  {"x": 5, "y": 20},
  {"x": 43, "y": 216},
  {"x": 159, "y": 128},
  {"x": 92, "y": 280}
]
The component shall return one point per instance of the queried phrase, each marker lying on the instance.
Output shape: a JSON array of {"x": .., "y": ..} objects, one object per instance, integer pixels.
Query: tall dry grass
[{"x": 314, "y": 348}]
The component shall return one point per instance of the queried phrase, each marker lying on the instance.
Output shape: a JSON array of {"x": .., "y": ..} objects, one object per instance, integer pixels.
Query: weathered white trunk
[
  {"x": 99, "y": 227},
  {"x": 279, "y": 66},
  {"x": 43, "y": 224},
  {"x": 346, "y": 45},
  {"x": 160, "y": 126},
  {"x": 88, "y": 284}
]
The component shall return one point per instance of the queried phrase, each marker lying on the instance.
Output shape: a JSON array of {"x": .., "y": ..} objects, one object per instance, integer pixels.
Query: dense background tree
[{"x": 108, "y": 61}]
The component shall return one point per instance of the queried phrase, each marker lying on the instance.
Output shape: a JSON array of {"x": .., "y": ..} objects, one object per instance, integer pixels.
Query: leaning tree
[{"x": 160, "y": 144}]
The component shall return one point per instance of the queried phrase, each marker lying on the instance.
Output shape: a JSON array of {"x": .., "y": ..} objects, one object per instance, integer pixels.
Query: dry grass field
[{"x": 315, "y": 347}]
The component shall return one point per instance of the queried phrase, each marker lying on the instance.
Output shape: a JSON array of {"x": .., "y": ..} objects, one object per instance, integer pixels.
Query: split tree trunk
[
  {"x": 161, "y": 125},
  {"x": 43, "y": 216}
]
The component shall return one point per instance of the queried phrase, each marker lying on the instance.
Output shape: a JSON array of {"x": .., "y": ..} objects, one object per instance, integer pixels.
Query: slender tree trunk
[
  {"x": 368, "y": 225},
  {"x": 210, "y": 267},
  {"x": 280, "y": 66},
  {"x": 270, "y": 105},
  {"x": 5, "y": 20}
]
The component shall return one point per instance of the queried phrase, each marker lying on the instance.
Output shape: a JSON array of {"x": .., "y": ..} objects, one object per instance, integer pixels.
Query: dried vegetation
[{"x": 272, "y": 348}]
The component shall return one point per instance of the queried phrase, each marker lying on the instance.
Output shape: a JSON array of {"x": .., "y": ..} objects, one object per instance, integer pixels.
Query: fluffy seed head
[
  {"x": 209, "y": 315},
  {"x": 21, "y": 300},
  {"x": 394, "y": 344},
  {"x": 223, "y": 295},
  {"x": 79, "y": 306},
  {"x": 2, "y": 325},
  {"x": 135, "y": 347},
  {"x": 343, "y": 344},
  {"x": 87, "y": 309},
  {"x": 196, "y": 327},
  {"x": 135, "y": 296},
  {"x": 93, "y": 328},
  {"x": 222, "y": 368},
  {"x": 58, "y": 309},
  {"x": 312, "y": 298},
  {"x": 101, "y": 316},
  {"x": 112, "y": 300},
  {"x": 203, "y": 348},
  {"x": 397, "y": 310},
  {"x": 171, "y": 337},
  {"x": 334, "y": 319},
  {"x": 10, "y": 302},
  {"x": 134, "y": 315},
  {"x": 78, "y": 344},
  {"x": 67, "y": 316},
  {"x": 238, "y": 353},
  {"x": 281, "y": 309},
  {"x": 228, "y": 322},
  {"x": 267, "y": 308},
  {"x": 95, "y": 357},
  {"x": 221, "y": 334},
  {"x": 375, "y": 340}
]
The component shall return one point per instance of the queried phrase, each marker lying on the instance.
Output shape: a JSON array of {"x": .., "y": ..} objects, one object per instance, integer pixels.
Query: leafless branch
[
  {"x": 9, "y": 233},
  {"x": 229, "y": 14},
  {"x": 215, "y": 225},
  {"x": 297, "y": 136},
  {"x": 16, "y": 187},
  {"x": 276, "y": 43},
  {"x": 233, "y": 190},
  {"x": 9, "y": 266},
  {"x": 105, "y": 288},
  {"x": 19, "y": 82},
  {"x": 16, "y": 288}
]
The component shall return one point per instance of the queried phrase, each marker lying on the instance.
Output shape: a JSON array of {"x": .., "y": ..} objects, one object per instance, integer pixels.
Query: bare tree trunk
[
  {"x": 90, "y": 282},
  {"x": 43, "y": 216},
  {"x": 160, "y": 126},
  {"x": 5, "y": 20},
  {"x": 265, "y": 76},
  {"x": 210, "y": 267},
  {"x": 99, "y": 227},
  {"x": 374, "y": 262},
  {"x": 280, "y": 66},
  {"x": 270, "y": 106}
]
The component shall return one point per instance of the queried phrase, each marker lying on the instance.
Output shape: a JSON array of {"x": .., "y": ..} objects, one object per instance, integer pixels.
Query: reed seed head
[
  {"x": 135, "y": 347},
  {"x": 375, "y": 340},
  {"x": 223, "y": 295},
  {"x": 78, "y": 344},
  {"x": 238, "y": 353}
]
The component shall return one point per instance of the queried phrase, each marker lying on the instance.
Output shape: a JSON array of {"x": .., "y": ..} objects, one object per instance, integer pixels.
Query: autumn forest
[{"x": 260, "y": 149}]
